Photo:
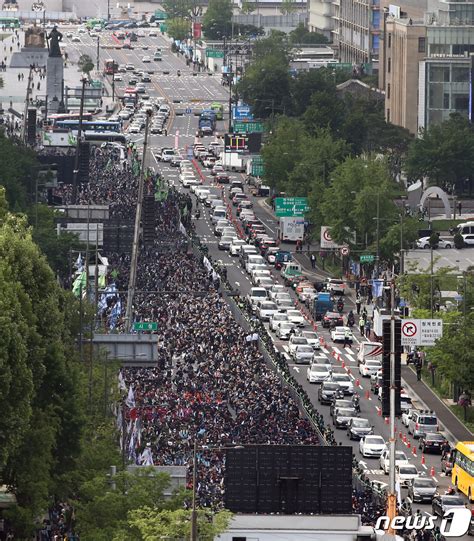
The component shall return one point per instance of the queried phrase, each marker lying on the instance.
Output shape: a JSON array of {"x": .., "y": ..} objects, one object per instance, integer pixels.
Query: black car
[
  {"x": 332, "y": 319},
  {"x": 326, "y": 392},
  {"x": 340, "y": 403},
  {"x": 358, "y": 428},
  {"x": 222, "y": 178},
  {"x": 432, "y": 443},
  {"x": 422, "y": 489},
  {"x": 343, "y": 416}
]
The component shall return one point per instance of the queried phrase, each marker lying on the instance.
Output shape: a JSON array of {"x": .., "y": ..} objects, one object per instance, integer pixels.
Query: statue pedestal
[
  {"x": 28, "y": 56},
  {"x": 54, "y": 82}
]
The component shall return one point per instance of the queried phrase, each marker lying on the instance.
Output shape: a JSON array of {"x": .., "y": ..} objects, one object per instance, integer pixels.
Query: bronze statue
[
  {"x": 34, "y": 37},
  {"x": 53, "y": 42}
]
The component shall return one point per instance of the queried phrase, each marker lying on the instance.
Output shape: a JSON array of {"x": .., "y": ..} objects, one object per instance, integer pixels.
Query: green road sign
[
  {"x": 214, "y": 53},
  {"x": 145, "y": 326},
  {"x": 367, "y": 258},
  {"x": 248, "y": 127},
  {"x": 291, "y": 206},
  {"x": 258, "y": 170}
]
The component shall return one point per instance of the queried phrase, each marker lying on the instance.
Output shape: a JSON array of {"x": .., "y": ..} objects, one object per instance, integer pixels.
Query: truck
[
  {"x": 322, "y": 303},
  {"x": 369, "y": 351},
  {"x": 291, "y": 229},
  {"x": 231, "y": 161},
  {"x": 207, "y": 122}
]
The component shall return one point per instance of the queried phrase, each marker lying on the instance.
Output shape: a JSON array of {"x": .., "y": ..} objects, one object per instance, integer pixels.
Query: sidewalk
[{"x": 447, "y": 418}]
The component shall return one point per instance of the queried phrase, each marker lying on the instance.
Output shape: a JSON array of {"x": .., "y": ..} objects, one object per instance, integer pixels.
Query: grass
[{"x": 443, "y": 225}]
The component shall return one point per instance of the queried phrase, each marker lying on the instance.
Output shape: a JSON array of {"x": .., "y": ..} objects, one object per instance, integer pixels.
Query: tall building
[
  {"x": 321, "y": 17},
  {"x": 426, "y": 64}
]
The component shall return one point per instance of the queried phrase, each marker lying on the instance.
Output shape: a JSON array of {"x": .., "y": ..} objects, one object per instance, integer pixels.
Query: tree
[
  {"x": 217, "y": 19},
  {"x": 177, "y": 9},
  {"x": 444, "y": 153},
  {"x": 85, "y": 64},
  {"x": 287, "y": 7},
  {"x": 405, "y": 232},
  {"x": 307, "y": 83},
  {"x": 178, "y": 28},
  {"x": 247, "y": 7},
  {"x": 301, "y": 34}
]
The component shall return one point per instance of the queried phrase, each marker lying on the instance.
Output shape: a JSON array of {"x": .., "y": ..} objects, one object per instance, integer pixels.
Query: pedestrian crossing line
[
  {"x": 338, "y": 351},
  {"x": 324, "y": 350},
  {"x": 350, "y": 351},
  {"x": 350, "y": 357}
]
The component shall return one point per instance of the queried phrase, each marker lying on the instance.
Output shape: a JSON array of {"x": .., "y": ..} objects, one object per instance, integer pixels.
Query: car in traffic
[
  {"x": 405, "y": 473},
  {"x": 342, "y": 416},
  {"x": 371, "y": 446},
  {"x": 332, "y": 319},
  {"x": 339, "y": 403},
  {"x": 335, "y": 286},
  {"x": 224, "y": 243},
  {"x": 359, "y": 427},
  {"x": 276, "y": 319},
  {"x": 369, "y": 368},
  {"x": 327, "y": 391},
  {"x": 342, "y": 334},
  {"x": 284, "y": 330},
  {"x": 266, "y": 309},
  {"x": 400, "y": 458},
  {"x": 422, "y": 489},
  {"x": 257, "y": 294},
  {"x": 296, "y": 317},
  {"x": 317, "y": 373},
  {"x": 235, "y": 247},
  {"x": 344, "y": 381},
  {"x": 442, "y": 503},
  {"x": 312, "y": 338},
  {"x": 295, "y": 341},
  {"x": 302, "y": 354},
  {"x": 432, "y": 442},
  {"x": 422, "y": 422}
]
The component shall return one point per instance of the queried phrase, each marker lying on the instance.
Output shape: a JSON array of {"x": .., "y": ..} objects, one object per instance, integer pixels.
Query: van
[
  {"x": 466, "y": 228},
  {"x": 219, "y": 213},
  {"x": 423, "y": 422},
  {"x": 369, "y": 350}
]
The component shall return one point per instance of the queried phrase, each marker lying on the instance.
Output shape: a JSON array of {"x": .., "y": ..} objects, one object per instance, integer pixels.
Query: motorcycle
[
  {"x": 179, "y": 73},
  {"x": 197, "y": 214},
  {"x": 340, "y": 306},
  {"x": 350, "y": 320},
  {"x": 356, "y": 402}
]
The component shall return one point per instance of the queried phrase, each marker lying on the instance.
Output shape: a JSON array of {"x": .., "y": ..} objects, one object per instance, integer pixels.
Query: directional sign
[
  {"x": 291, "y": 206},
  {"x": 421, "y": 332},
  {"x": 145, "y": 326},
  {"x": 212, "y": 53},
  {"x": 242, "y": 112},
  {"x": 367, "y": 258},
  {"x": 248, "y": 127}
]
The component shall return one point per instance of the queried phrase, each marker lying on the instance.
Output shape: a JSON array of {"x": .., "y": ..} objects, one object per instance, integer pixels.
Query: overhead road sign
[
  {"x": 367, "y": 258},
  {"x": 242, "y": 112},
  {"x": 145, "y": 326},
  {"x": 421, "y": 332},
  {"x": 291, "y": 206},
  {"x": 213, "y": 53},
  {"x": 248, "y": 127}
]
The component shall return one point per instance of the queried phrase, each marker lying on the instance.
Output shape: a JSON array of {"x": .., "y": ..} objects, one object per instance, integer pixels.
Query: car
[
  {"x": 338, "y": 334},
  {"x": 405, "y": 402},
  {"x": 256, "y": 294},
  {"x": 167, "y": 154},
  {"x": 224, "y": 243},
  {"x": 369, "y": 368},
  {"x": 296, "y": 317},
  {"x": 118, "y": 78},
  {"x": 222, "y": 178},
  {"x": 335, "y": 286},
  {"x": 259, "y": 273},
  {"x": 266, "y": 309},
  {"x": 468, "y": 239},
  {"x": 432, "y": 442},
  {"x": 332, "y": 319},
  {"x": 302, "y": 354},
  {"x": 371, "y": 446},
  {"x": 296, "y": 341},
  {"x": 307, "y": 294},
  {"x": 264, "y": 281},
  {"x": 130, "y": 67},
  {"x": 235, "y": 247},
  {"x": 344, "y": 381},
  {"x": 405, "y": 473},
  {"x": 376, "y": 382},
  {"x": 424, "y": 243},
  {"x": 276, "y": 319},
  {"x": 327, "y": 391},
  {"x": 220, "y": 226},
  {"x": 134, "y": 128},
  {"x": 342, "y": 416},
  {"x": 317, "y": 373},
  {"x": 69, "y": 35},
  {"x": 422, "y": 489},
  {"x": 312, "y": 338},
  {"x": 447, "y": 462},
  {"x": 442, "y": 503},
  {"x": 358, "y": 428},
  {"x": 407, "y": 415},
  {"x": 400, "y": 458},
  {"x": 76, "y": 39},
  {"x": 216, "y": 168},
  {"x": 284, "y": 330},
  {"x": 422, "y": 422},
  {"x": 146, "y": 59},
  {"x": 282, "y": 296},
  {"x": 339, "y": 403}
]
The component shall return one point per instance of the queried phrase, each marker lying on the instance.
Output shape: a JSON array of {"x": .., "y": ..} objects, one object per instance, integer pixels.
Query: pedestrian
[
  {"x": 166, "y": 132},
  {"x": 19, "y": 77},
  {"x": 298, "y": 245},
  {"x": 367, "y": 329},
  {"x": 358, "y": 304},
  {"x": 369, "y": 295},
  {"x": 308, "y": 243},
  {"x": 313, "y": 261},
  {"x": 38, "y": 86},
  {"x": 418, "y": 367},
  {"x": 361, "y": 326},
  {"x": 347, "y": 338}
]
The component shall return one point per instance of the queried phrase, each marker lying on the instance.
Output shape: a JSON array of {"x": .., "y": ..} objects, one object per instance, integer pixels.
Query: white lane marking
[
  {"x": 350, "y": 358},
  {"x": 338, "y": 351},
  {"x": 296, "y": 368},
  {"x": 237, "y": 284},
  {"x": 350, "y": 351}
]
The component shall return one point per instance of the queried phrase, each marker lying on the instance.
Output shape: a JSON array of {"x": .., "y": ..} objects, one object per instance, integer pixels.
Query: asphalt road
[{"x": 196, "y": 91}]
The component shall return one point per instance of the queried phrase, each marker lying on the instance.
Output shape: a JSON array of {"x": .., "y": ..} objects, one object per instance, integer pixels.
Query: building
[
  {"x": 426, "y": 64},
  {"x": 305, "y": 58},
  {"x": 321, "y": 17}
]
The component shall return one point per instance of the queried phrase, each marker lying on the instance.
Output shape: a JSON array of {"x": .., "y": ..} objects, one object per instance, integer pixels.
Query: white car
[
  {"x": 296, "y": 317},
  {"x": 284, "y": 330},
  {"x": 277, "y": 288},
  {"x": 312, "y": 338},
  {"x": 317, "y": 373},
  {"x": 400, "y": 458},
  {"x": 344, "y": 381},
  {"x": 266, "y": 309},
  {"x": 303, "y": 354},
  {"x": 371, "y": 446},
  {"x": 260, "y": 273},
  {"x": 235, "y": 247},
  {"x": 369, "y": 368},
  {"x": 407, "y": 415},
  {"x": 134, "y": 128},
  {"x": 146, "y": 59},
  {"x": 257, "y": 294},
  {"x": 424, "y": 243},
  {"x": 405, "y": 473},
  {"x": 296, "y": 341},
  {"x": 264, "y": 281},
  {"x": 307, "y": 294},
  {"x": 224, "y": 243},
  {"x": 338, "y": 334},
  {"x": 76, "y": 39},
  {"x": 220, "y": 226},
  {"x": 336, "y": 286},
  {"x": 277, "y": 319}
]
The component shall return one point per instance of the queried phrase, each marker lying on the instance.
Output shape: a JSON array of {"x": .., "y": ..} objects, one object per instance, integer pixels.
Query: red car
[{"x": 332, "y": 319}]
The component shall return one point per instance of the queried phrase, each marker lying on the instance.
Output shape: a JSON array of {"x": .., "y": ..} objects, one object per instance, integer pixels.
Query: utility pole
[
  {"x": 113, "y": 80},
  {"x": 136, "y": 233},
  {"x": 193, "y": 511},
  {"x": 431, "y": 281},
  {"x": 377, "y": 267},
  {"x": 392, "y": 495},
  {"x": 27, "y": 102},
  {"x": 97, "y": 56},
  {"x": 78, "y": 143},
  {"x": 401, "y": 242}
]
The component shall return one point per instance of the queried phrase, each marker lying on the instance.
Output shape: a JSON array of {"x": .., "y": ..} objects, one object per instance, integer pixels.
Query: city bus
[
  {"x": 105, "y": 137},
  {"x": 110, "y": 66},
  {"x": 90, "y": 125},
  {"x": 130, "y": 96},
  {"x": 9, "y": 22},
  {"x": 55, "y": 118},
  {"x": 462, "y": 475},
  {"x": 218, "y": 108}
]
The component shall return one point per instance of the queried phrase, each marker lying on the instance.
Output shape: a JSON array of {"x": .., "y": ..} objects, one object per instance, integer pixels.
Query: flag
[
  {"x": 121, "y": 382},
  {"x": 79, "y": 282},
  {"x": 146, "y": 457},
  {"x": 377, "y": 288},
  {"x": 71, "y": 139},
  {"x": 109, "y": 293},
  {"x": 47, "y": 138},
  {"x": 101, "y": 281},
  {"x": 182, "y": 229},
  {"x": 130, "y": 400},
  {"x": 115, "y": 314},
  {"x": 79, "y": 263}
]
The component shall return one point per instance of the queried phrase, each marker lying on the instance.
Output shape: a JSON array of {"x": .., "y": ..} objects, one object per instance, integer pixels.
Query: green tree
[
  {"x": 287, "y": 7},
  {"x": 247, "y": 7},
  {"x": 307, "y": 83},
  {"x": 177, "y": 9},
  {"x": 85, "y": 64},
  {"x": 444, "y": 153},
  {"x": 401, "y": 233},
  {"x": 217, "y": 19},
  {"x": 302, "y": 35},
  {"x": 178, "y": 28}
]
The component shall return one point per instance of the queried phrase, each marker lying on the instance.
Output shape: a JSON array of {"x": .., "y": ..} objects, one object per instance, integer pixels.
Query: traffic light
[{"x": 386, "y": 367}]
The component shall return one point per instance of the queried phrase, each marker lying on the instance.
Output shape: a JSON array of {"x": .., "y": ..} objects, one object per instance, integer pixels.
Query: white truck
[
  {"x": 231, "y": 161},
  {"x": 369, "y": 351},
  {"x": 291, "y": 228}
]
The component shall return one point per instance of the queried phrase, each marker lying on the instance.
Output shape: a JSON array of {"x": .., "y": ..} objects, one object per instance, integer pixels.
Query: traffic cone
[
  {"x": 343, "y": 364},
  {"x": 400, "y": 435},
  {"x": 404, "y": 438},
  {"x": 422, "y": 459},
  {"x": 414, "y": 450},
  {"x": 357, "y": 382},
  {"x": 408, "y": 444},
  {"x": 349, "y": 371},
  {"x": 340, "y": 359},
  {"x": 367, "y": 394},
  {"x": 432, "y": 471}
]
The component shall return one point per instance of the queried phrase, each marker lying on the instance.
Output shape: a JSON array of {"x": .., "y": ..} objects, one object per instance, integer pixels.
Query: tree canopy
[{"x": 217, "y": 19}]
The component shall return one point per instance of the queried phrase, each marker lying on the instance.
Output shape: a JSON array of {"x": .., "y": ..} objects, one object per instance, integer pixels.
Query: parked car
[{"x": 424, "y": 243}]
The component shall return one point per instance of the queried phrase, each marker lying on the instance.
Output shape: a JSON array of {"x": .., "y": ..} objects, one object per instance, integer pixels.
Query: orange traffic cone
[
  {"x": 404, "y": 438},
  {"x": 422, "y": 459},
  {"x": 367, "y": 394},
  {"x": 408, "y": 444},
  {"x": 414, "y": 450},
  {"x": 343, "y": 364},
  {"x": 400, "y": 435},
  {"x": 432, "y": 471},
  {"x": 357, "y": 382}
]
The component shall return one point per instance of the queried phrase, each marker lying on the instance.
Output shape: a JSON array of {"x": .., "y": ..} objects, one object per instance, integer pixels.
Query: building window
[
  {"x": 388, "y": 115},
  {"x": 421, "y": 45},
  {"x": 446, "y": 100},
  {"x": 389, "y": 65},
  {"x": 388, "y": 91},
  {"x": 389, "y": 44}
]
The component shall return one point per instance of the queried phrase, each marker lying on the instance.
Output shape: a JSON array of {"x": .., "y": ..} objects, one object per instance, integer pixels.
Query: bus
[
  {"x": 90, "y": 125},
  {"x": 9, "y": 22},
  {"x": 105, "y": 137},
  {"x": 55, "y": 118},
  {"x": 110, "y": 66},
  {"x": 130, "y": 96},
  {"x": 462, "y": 475},
  {"x": 218, "y": 108}
]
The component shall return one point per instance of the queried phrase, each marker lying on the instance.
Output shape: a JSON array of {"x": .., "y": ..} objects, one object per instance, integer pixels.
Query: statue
[
  {"x": 53, "y": 42},
  {"x": 34, "y": 37}
]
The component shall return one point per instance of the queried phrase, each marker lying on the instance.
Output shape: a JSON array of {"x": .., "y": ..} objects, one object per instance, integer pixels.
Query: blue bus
[{"x": 89, "y": 126}]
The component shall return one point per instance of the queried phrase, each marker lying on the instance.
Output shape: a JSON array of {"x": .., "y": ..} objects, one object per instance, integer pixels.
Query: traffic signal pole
[{"x": 392, "y": 496}]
